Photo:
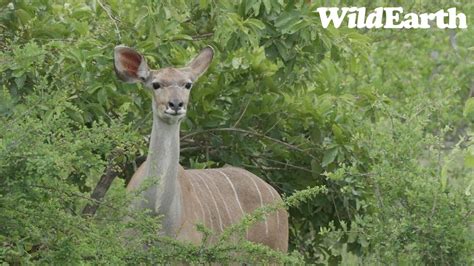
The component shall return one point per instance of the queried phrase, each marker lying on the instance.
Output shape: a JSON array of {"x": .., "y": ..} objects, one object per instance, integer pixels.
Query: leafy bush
[{"x": 381, "y": 119}]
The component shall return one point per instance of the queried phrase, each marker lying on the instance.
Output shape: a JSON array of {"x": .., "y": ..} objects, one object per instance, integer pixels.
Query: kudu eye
[
  {"x": 188, "y": 85},
  {"x": 156, "y": 85}
]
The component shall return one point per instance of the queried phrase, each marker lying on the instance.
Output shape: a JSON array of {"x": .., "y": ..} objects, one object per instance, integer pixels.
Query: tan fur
[{"x": 195, "y": 193}]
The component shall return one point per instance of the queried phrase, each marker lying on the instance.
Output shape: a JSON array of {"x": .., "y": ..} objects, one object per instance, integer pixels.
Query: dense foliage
[{"x": 378, "y": 122}]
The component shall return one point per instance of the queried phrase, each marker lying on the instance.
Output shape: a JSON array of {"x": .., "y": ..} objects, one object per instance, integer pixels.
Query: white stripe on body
[
  {"x": 222, "y": 198},
  {"x": 273, "y": 198},
  {"x": 203, "y": 217},
  {"x": 213, "y": 199},
  {"x": 208, "y": 210},
  {"x": 261, "y": 199},
  {"x": 236, "y": 196},
  {"x": 233, "y": 189}
]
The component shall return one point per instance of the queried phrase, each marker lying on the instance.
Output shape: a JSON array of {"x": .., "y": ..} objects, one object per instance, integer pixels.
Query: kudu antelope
[{"x": 216, "y": 198}]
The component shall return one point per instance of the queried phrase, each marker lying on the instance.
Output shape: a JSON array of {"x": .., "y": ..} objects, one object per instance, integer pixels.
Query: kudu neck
[
  {"x": 164, "y": 143},
  {"x": 164, "y": 196}
]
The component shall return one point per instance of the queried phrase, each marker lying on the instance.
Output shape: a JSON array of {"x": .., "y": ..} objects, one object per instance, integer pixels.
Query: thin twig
[
  {"x": 242, "y": 114},
  {"x": 289, "y": 165},
  {"x": 273, "y": 126},
  {"x": 263, "y": 167},
  {"x": 202, "y": 36},
  {"x": 194, "y": 37},
  {"x": 453, "y": 41},
  {"x": 114, "y": 20}
]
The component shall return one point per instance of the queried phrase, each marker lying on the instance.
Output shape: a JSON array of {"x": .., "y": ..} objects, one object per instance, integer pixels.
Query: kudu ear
[
  {"x": 130, "y": 66},
  {"x": 201, "y": 62}
]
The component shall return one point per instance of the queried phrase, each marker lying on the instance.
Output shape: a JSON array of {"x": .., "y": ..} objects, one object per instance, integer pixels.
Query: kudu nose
[{"x": 175, "y": 105}]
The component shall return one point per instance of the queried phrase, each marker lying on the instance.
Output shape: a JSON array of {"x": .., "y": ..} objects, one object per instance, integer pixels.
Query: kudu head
[{"x": 170, "y": 86}]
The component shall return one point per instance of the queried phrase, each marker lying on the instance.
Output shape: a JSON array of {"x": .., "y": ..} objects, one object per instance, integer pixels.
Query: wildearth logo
[{"x": 390, "y": 18}]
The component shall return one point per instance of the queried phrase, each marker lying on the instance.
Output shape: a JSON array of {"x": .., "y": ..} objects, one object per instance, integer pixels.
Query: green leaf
[
  {"x": 444, "y": 177},
  {"x": 255, "y": 23},
  {"x": 102, "y": 96},
  {"x": 329, "y": 156},
  {"x": 286, "y": 19},
  {"x": 469, "y": 108},
  {"x": 23, "y": 16},
  {"x": 469, "y": 160},
  {"x": 203, "y": 4},
  {"x": 337, "y": 131},
  {"x": 268, "y": 5}
]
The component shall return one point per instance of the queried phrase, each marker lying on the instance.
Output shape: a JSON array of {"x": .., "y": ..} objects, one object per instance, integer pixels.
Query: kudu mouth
[
  {"x": 176, "y": 113},
  {"x": 172, "y": 116}
]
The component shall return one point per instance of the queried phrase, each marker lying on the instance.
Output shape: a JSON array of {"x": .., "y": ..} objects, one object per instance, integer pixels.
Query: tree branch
[
  {"x": 239, "y": 130},
  {"x": 102, "y": 187}
]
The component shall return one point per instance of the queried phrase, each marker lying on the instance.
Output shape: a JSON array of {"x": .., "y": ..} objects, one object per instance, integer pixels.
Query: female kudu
[{"x": 216, "y": 198}]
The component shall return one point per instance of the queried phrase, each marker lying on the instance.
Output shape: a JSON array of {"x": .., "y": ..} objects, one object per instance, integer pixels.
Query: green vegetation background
[{"x": 378, "y": 122}]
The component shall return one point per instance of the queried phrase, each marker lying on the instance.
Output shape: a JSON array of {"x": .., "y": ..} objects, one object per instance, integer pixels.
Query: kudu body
[{"x": 216, "y": 198}]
